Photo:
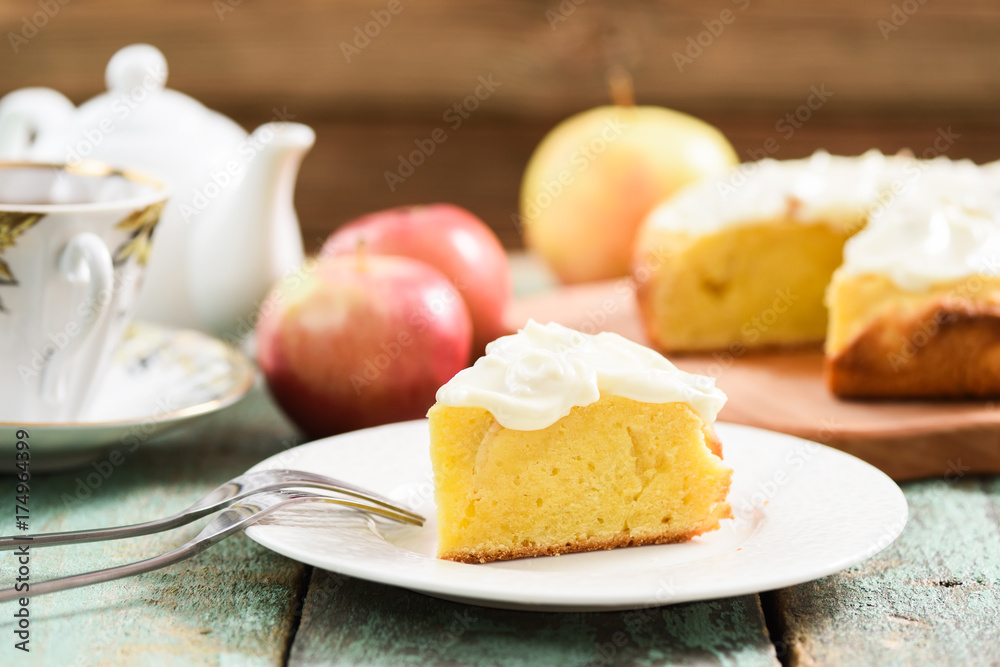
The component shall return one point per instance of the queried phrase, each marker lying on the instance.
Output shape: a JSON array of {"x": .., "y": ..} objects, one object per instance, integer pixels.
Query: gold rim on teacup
[{"x": 88, "y": 169}]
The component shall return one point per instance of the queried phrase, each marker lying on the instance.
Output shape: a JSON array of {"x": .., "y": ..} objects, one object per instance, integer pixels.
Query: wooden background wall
[{"x": 899, "y": 71}]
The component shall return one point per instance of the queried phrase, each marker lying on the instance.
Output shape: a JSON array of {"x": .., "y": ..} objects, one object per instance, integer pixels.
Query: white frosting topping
[
  {"x": 928, "y": 221},
  {"x": 942, "y": 225},
  {"x": 531, "y": 379},
  {"x": 808, "y": 190}
]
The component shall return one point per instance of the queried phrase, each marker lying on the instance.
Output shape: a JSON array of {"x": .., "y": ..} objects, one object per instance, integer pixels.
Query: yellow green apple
[{"x": 593, "y": 179}]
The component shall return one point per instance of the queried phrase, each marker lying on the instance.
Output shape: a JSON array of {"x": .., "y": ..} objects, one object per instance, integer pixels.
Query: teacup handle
[
  {"x": 84, "y": 259},
  {"x": 15, "y": 136}
]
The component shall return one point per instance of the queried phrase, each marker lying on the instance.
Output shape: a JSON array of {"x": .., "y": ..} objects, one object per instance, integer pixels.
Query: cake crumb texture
[
  {"x": 756, "y": 285},
  {"x": 617, "y": 472}
]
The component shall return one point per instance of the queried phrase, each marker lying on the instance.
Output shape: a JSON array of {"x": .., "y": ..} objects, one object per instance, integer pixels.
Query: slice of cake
[
  {"x": 556, "y": 442},
  {"x": 743, "y": 261},
  {"x": 915, "y": 308}
]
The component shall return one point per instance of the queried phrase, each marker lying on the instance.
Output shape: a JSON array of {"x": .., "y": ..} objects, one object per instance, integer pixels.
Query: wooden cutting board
[{"x": 784, "y": 391}]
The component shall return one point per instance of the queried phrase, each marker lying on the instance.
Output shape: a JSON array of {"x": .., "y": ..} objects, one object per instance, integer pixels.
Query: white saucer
[
  {"x": 802, "y": 510},
  {"x": 160, "y": 377}
]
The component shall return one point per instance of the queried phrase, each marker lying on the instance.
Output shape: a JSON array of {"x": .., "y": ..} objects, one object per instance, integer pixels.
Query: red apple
[
  {"x": 449, "y": 238},
  {"x": 361, "y": 340}
]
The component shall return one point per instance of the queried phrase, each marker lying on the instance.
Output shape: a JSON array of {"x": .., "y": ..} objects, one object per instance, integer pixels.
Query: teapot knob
[{"x": 137, "y": 65}]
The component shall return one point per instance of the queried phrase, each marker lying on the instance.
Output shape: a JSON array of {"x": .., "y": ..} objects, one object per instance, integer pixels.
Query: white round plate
[
  {"x": 159, "y": 378},
  {"x": 802, "y": 511}
]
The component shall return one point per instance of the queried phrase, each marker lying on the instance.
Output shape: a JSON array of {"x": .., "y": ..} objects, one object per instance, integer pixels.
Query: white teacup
[{"x": 74, "y": 240}]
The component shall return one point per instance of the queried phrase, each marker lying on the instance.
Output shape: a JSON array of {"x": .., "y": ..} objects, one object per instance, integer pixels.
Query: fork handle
[
  {"x": 109, "y": 574},
  {"x": 232, "y": 520},
  {"x": 100, "y": 534},
  {"x": 204, "y": 507}
]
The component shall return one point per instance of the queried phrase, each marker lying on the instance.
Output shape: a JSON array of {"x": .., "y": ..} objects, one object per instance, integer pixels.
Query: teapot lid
[
  {"x": 138, "y": 101},
  {"x": 131, "y": 66}
]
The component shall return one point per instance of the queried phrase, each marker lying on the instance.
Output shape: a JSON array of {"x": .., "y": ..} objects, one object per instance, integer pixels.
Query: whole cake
[
  {"x": 744, "y": 260},
  {"x": 915, "y": 308},
  {"x": 557, "y": 441}
]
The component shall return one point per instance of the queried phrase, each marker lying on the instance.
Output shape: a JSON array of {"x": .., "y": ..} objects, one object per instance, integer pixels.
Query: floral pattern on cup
[
  {"x": 141, "y": 223},
  {"x": 12, "y": 225}
]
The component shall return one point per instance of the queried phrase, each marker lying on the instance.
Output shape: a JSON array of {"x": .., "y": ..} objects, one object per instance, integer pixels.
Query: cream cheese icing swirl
[
  {"x": 943, "y": 228},
  {"x": 807, "y": 190},
  {"x": 531, "y": 379}
]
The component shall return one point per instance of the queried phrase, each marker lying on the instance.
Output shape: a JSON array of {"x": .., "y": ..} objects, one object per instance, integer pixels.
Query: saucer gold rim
[{"x": 244, "y": 373}]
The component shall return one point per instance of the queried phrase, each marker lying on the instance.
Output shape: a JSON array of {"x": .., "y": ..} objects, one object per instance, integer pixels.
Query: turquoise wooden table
[{"x": 933, "y": 597}]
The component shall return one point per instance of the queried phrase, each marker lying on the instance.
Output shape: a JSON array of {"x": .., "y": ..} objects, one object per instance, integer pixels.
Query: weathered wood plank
[
  {"x": 481, "y": 163},
  {"x": 347, "y": 621},
  {"x": 933, "y": 597},
  {"x": 938, "y": 70},
  {"x": 431, "y": 52},
  {"x": 235, "y": 604}
]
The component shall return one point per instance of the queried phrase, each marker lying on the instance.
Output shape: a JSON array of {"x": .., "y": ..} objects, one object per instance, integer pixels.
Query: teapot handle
[{"x": 29, "y": 114}]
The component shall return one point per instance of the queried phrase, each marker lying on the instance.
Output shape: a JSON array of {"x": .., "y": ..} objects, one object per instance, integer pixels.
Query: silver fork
[
  {"x": 220, "y": 497},
  {"x": 242, "y": 514}
]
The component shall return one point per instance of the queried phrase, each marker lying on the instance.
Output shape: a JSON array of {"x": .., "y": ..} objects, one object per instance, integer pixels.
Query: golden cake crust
[
  {"x": 593, "y": 544},
  {"x": 712, "y": 442},
  {"x": 949, "y": 350}
]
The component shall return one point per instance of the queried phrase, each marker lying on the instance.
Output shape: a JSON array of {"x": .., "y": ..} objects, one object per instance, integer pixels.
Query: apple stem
[
  {"x": 361, "y": 254},
  {"x": 620, "y": 85}
]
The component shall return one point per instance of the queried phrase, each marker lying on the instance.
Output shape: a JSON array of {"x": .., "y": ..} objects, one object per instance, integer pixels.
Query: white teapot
[{"x": 229, "y": 230}]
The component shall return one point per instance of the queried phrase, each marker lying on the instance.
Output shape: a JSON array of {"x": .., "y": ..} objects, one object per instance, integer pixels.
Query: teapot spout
[
  {"x": 271, "y": 182},
  {"x": 239, "y": 253}
]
